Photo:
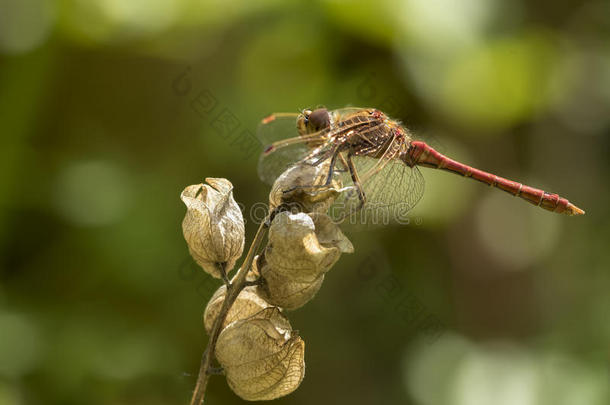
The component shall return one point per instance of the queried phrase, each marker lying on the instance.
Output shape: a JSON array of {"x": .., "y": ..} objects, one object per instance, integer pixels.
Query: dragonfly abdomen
[{"x": 422, "y": 154}]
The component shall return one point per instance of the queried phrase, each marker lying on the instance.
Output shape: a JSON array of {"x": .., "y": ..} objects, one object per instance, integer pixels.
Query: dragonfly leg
[
  {"x": 322, "y": 158},
  {"x": 343, "y": 163},
  {"x": 357, "y": 187},
  {"x": 315, "y": 153},
  {"x": 356, "y": 180}
]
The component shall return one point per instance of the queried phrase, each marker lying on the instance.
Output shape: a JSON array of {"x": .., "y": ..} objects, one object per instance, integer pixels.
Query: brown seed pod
[
  {"x": 294, "y": 248},
  {"x": 262, "y": 357},
  {"x": 288, "y": 189},
  {"x": 285, "y": 292},
  {"x": 302, "y": 247},
  {"x": 213, "y": 225},
  {"x": 329, "y": 234},
  {"x": 248, "y": 303}
]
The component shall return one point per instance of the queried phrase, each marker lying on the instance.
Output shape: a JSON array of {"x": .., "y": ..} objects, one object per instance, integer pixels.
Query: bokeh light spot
[
  {"x": 456, "y": 371},
  {"x": 498, "y": 84},
  {"x": 443, "y": 25},
  {"x": 19, "y": 345},
  {"x": 430, "y": 367},
  {"x": 502, "y": 376},
  {"x": 108, "y": 20},
  {"x": 92, "y": 193},
  {"x": 24, "y": 24},
  {"x": 517, "y": 234},
  {"x": 129, "y": 357},
  {"x": 9, "y": 395}
]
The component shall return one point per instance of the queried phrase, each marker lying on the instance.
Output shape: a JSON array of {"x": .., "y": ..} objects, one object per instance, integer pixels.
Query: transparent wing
[
  {"x": 342, "y": 113},
  {"x": 276, "y": 127},
  {"x": 280, "y": 129},
  {"x": 272, "y": 130},
  {"x": 391, "y": 190}
]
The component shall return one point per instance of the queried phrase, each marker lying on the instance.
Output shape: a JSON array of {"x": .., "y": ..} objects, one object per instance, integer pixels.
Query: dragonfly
[{"x": 377, "y": 155}]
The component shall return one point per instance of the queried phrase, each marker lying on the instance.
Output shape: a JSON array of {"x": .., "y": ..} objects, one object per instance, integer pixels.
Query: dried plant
[
  {"x": 250, "y": 337},
  {"x": 297, "y": 257},
  {"x": 262, "y": 357},
  {"x": 213, "y": 226}
]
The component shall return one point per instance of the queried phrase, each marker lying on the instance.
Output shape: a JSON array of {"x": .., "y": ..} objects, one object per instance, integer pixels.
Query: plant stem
[{"x": 234, "y": 287}]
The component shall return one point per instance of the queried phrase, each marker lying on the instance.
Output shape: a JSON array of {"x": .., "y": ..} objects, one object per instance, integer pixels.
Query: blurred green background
[{"x": 109, "y": 108}]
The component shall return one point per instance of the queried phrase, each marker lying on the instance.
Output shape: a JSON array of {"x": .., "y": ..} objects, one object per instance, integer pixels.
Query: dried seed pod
[
  {"x": 286, "y": 293},
  {"x": 329, "y": 234},
  {"x": 302, "y": 247},
  {"x": 213, "y": 225},
  {"x": 262, "y": 357},
  {"x": 288, "y": 188},
  {"x": 248, "y": 303},
  {"x": 282, "y": 290},
  {"x": 295, "y": 250}
]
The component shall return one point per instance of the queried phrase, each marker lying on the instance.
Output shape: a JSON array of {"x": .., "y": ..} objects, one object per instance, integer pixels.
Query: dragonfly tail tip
[{"x": 574, "y": 210}]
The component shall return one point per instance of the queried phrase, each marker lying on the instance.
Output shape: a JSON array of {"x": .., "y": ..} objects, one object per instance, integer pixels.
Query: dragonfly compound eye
[
  {"x": 303, "y": 122},
  {"x": 319, "y": 119}
]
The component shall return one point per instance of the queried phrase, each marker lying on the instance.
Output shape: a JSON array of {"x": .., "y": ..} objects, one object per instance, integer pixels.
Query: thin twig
[
  {"x": 234, "y": 287},
  {"x": 222, "y": 268}
]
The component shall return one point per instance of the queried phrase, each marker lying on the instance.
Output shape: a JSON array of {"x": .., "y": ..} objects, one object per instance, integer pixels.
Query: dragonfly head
[{"x": 310, "y": 121}]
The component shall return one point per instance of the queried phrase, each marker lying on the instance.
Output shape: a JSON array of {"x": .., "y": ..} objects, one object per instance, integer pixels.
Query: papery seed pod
[
  {"x": 247, "y": 303},
  {"x": 262, "y": 357},
  {"x": 302, "y": 247},
  {"x": 287, "y": 188},
  {"x": 286, "y": 293},
  {"x": 294, "y": 248},
  {"x": 329, "y": 234},
  {"x": 213, "y": 225}
]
